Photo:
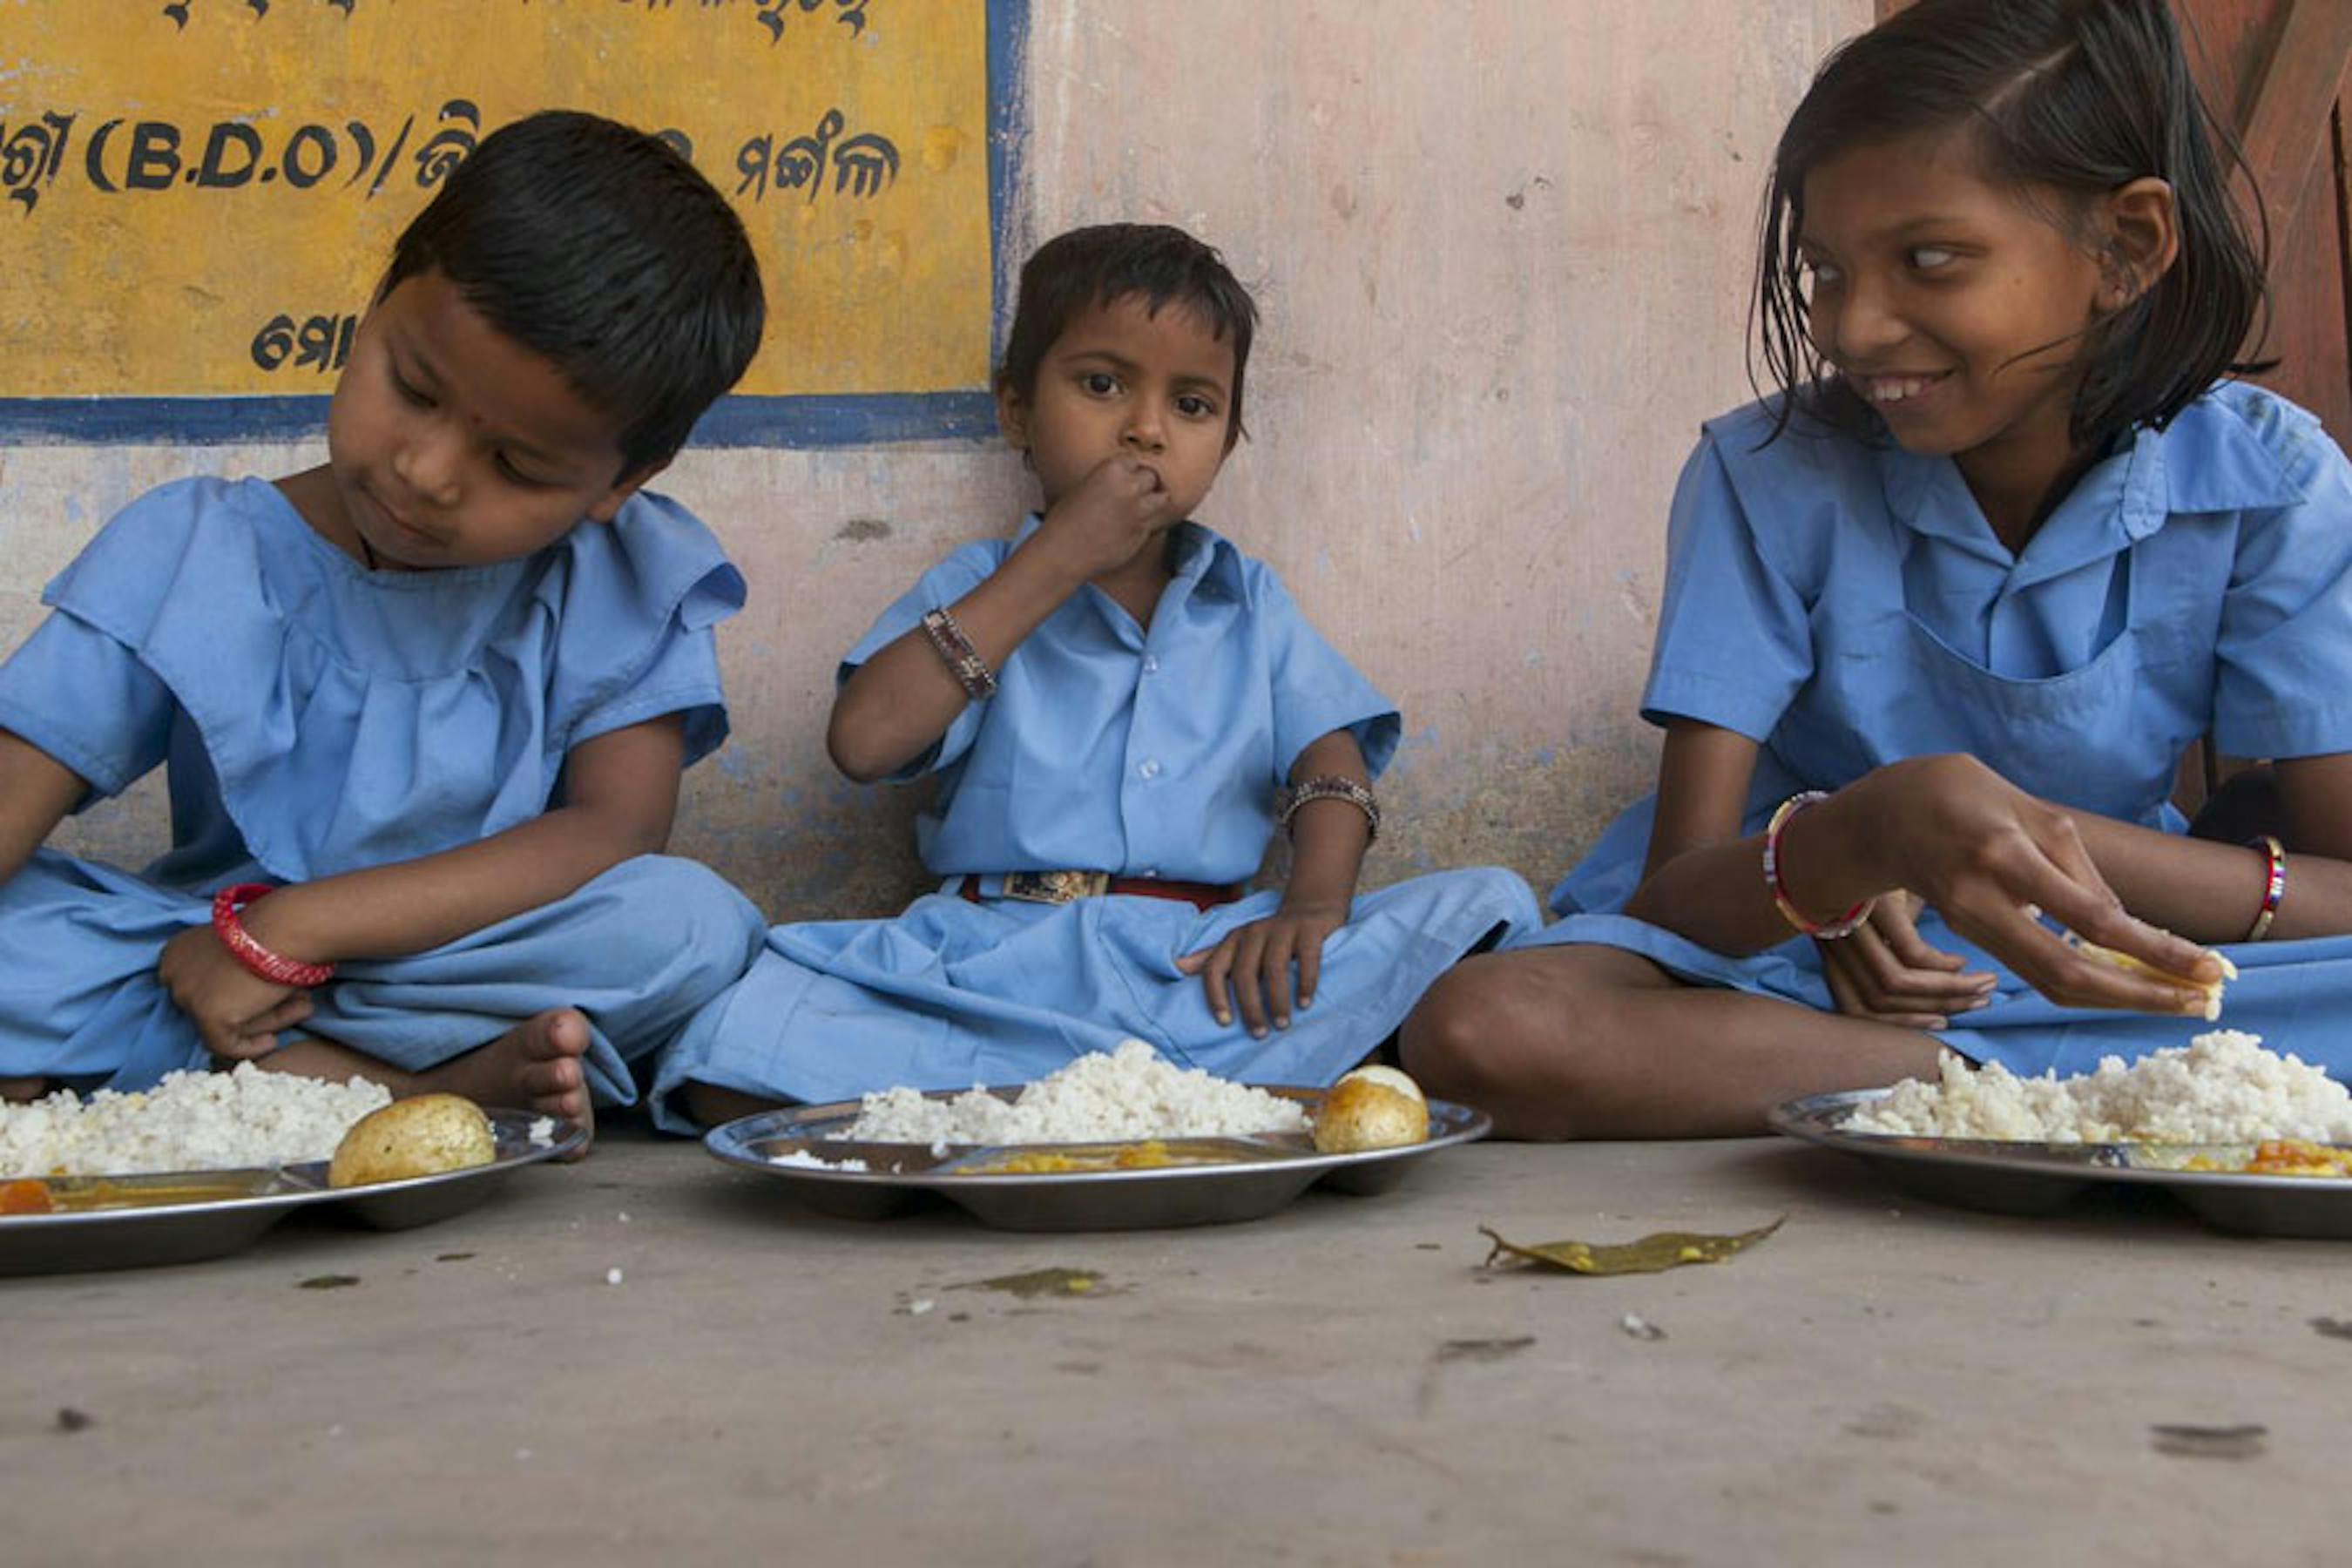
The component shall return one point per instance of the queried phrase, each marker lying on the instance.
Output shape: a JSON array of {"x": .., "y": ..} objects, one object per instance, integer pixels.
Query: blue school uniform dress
[
  {"x": 318, "y": 718},
  {"x": 1109, "y": 748},
  {"x": 1846, "y": 606}
]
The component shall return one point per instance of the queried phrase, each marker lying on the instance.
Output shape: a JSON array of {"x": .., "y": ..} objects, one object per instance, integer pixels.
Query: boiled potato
[
  {"x": 1371, "y": 1108},
  {"x": 423, "y": 1136},
  {"x": 2125, "y": 962}
]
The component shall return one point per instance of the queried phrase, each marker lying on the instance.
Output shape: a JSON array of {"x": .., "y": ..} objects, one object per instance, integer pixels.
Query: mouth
[
  {"x": 407, "y": 532},
  {"x": 1891, "y": 389}
]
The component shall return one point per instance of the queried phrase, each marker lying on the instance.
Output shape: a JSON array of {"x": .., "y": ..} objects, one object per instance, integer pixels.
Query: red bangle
[
  {"x": 2274, "y": 884},
  {"x": 1845, "y": 924},
  {"x": 274, "y": 967}
]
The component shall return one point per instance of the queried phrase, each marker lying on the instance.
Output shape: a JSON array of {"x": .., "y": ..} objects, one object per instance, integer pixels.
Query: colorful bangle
[
  {"x": 274, "y": 967},
  {"x": 1329, "y": 786},
  {"x": 963, "y": 660},
  {"x": 2274, "y": 884},
  {"x": 1845, "y": 924}
]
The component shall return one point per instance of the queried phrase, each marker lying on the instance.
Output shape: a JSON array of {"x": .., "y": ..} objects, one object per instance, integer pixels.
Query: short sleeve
[
  {"x": 942, "y": 585},
  {"x": 1734, "y": 643},
  {"x": 1315, "y": 691},
  {"x": 683, "y": 679},
  {"x": 2284, "y": 653},
  {"x": 87, "y": 702}
]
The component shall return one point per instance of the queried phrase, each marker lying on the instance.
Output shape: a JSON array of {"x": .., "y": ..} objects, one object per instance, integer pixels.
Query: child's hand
[
  {"x": 1112, "y": 513},
  {"x": 1885, "y": 972},
  {"x": 1253, "y": 964},
  {"x": 1992, "y": 860},
  {"x": 237, "y": 1012}
]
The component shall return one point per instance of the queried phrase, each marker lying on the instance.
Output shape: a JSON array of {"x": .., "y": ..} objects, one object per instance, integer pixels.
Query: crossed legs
[{"x": 1587, "y": 1041}]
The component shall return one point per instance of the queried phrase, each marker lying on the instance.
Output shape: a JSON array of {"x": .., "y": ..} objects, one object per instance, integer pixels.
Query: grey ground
[{"x": 1881, "y": 1381}]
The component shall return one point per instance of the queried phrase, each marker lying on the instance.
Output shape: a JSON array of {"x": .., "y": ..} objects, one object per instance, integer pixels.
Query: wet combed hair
[
  {"x": 2075, "y": 96},
  {"x": 1158, "y": 264},
  {"x": 600, "y": 248}
]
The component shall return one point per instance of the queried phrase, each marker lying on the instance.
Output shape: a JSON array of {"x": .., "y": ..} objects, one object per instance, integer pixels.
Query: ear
[
  {"x": 1013, "y": 417},
  {"x": 2142, "y": 221},
  {"x": 609, "y": 506}
]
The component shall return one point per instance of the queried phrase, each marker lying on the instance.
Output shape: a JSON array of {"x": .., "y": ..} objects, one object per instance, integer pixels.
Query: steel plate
[
  {"x": 2042, "y": 1178},
  {"x": 1237, "y": 1178},
  {"x": 238, "y": 1207}
]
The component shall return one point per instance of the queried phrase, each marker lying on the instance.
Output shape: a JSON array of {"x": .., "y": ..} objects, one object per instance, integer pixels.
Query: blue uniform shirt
[
  {"x": 1847, "y": 605},
  {"x": 1153, "y": 755},
  {"x": 320, "y": 718}
]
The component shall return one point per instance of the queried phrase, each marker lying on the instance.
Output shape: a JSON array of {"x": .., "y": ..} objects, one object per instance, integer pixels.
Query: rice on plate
[
  {"x": 2221, "y": 1087},
  {"x": 1126, "y": 1094},
  {"x": 190, "y": 1122}
]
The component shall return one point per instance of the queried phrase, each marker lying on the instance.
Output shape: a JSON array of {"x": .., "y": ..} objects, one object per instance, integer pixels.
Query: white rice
[
  {"x": 1127, "y": 1094},
  {"x": 802, "y": 1160},
  {"x": 190, "y": 1122},
  {"x": 2221, "y": 1087}
]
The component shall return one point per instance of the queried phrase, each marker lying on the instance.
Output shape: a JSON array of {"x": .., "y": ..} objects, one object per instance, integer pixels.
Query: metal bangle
[
  {"x": 963, "y": 660},
  {"x": 1331, "y": 786}
]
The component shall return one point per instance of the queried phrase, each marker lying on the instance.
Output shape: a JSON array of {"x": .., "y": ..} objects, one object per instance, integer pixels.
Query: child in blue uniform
[
  {"x": 424, "y": 708},
  {"x": 2003, "y": 547},
  {"x": 1112, "y": 699}
]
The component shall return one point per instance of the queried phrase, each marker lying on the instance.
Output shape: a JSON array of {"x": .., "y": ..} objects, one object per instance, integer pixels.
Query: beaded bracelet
[
  {"x": 1331, "y": 786},
  {"x": 963, "y": 660},
  {"x": 2274, "y": 884},
  {"x": 274, "y": 967},
  {"x": 1845, "y": 924}
]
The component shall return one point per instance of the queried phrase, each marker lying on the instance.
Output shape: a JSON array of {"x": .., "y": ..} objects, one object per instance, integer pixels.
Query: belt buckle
[{"x": 1055, "y": 887}]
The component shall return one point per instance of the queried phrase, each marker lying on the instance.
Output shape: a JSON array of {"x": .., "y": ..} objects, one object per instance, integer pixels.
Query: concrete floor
[{"x": 1343, "y": 1382}]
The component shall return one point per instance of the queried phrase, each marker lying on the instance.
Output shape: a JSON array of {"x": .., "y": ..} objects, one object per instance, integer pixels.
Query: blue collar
[{"x": 2212, "y": 458}]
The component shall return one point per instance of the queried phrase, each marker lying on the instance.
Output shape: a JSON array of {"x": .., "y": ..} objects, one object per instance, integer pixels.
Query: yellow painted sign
[{"x": 196, "y": 196}]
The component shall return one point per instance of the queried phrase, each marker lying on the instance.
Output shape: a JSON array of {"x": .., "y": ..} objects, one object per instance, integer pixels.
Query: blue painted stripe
[
  {"x": 816, "y": 421},
  {"x": 866, "y": 420}
]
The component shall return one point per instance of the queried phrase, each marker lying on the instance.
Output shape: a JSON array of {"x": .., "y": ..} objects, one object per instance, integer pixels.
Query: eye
[
  {"x": 407, "y": 390},
  {"x": 505, "y": 467},
  {"x": 1928, "y": 257},
  {"x": 1100, "y": 383},
  {"x": 1193, "y": 405},
  {"x": 1817, "y": 274}
]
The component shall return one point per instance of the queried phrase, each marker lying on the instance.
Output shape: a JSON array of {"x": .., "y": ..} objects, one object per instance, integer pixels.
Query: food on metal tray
[
  {"x": 2284, "y": 1157},
  {"x": 1371, "y": 1108},
  {"x": 424, "y": 1136}
]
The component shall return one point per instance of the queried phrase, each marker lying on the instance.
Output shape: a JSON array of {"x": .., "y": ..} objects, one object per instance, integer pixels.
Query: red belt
[{"x": 1052, "y": 888}]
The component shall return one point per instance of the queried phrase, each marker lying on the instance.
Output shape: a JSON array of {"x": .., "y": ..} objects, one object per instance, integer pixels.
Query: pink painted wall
[{"x": 1503, "y": 249}]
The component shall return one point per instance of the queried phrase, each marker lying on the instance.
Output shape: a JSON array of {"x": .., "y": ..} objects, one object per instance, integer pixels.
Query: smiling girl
[{"x": 1942, "y": 616}]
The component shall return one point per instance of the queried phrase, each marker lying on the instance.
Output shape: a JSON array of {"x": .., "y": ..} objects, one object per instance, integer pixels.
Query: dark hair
[
  {"x": 599, "y": 247},
  {"x": 2078, "y": 96},
  {"x": 1088, "y": 267}
]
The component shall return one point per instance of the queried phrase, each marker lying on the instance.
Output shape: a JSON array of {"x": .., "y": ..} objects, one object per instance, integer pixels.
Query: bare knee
[{"x": 1517, "y": 1036}]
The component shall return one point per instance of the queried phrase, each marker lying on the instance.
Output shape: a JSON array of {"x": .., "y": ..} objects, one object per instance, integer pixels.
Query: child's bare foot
[
  {"x": 22, "y": 1091},
  {"x": 539, "y": 1065}
]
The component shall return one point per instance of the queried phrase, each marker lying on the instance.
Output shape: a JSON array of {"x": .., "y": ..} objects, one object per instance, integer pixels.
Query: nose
[
  {"x": 429, "y": 462},
  {"x": 1146, "y": 429},
  {"x": 1862, "y": 326}
]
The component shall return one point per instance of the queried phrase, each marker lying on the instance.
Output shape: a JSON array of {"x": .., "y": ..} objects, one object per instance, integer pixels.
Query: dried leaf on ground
[
  {"x": 2184, "y": 1441},
  {"x": 1482, "y": 1350},
  {"x": 1040, "y": 1282},
  {"x": 1650, "y": 1255}
]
